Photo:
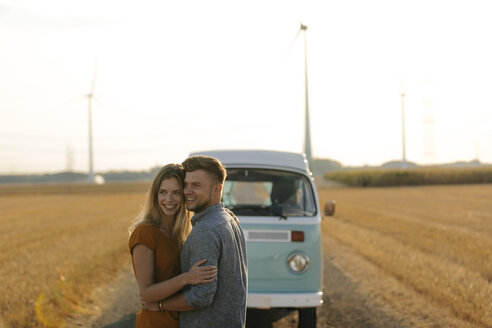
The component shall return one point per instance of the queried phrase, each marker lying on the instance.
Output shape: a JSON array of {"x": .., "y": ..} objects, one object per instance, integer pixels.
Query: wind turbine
[
  {"x": 90, "y": 97},
  {"x": 403, "y": 141},
  {"x": 307, "y": 128}
]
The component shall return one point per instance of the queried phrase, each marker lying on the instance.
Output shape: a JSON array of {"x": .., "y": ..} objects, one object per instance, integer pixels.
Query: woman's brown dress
[{"x": 166, "y": 266}]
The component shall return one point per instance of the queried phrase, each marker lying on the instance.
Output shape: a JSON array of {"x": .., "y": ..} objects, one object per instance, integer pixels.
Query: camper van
[{"x": 275, "y": 199}]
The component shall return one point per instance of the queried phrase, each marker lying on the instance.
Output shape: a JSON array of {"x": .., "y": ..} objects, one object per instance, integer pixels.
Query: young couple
[{"x": 189, "y": 277}]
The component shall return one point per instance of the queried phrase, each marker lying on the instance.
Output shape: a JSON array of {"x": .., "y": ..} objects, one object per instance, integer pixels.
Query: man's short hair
[{"x": 209, "y": 164}]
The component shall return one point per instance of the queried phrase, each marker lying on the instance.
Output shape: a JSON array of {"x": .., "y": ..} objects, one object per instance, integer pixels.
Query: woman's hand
[
  {"x": 149, "y": 306},
  {"x": 201, "y": 275}
]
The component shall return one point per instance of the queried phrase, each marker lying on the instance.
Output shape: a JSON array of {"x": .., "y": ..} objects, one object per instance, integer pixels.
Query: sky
[{"x": 173, "y": 77}]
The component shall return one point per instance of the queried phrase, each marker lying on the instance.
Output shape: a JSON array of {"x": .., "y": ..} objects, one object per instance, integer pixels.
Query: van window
[{"x": 259, "y": 192}]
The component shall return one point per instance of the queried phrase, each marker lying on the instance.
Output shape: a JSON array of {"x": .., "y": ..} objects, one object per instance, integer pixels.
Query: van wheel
[
  {"x": 307, "y": 317},
  {"x": 256, "y": 318}
]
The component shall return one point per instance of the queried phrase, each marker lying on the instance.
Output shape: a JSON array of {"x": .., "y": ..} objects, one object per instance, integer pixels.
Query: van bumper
[{"x": 284, "y": 300}]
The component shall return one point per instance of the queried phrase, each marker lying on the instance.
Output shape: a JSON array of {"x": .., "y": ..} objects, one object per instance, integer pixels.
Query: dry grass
[
  {"x": 436, "y": 241},
  {"x": 422, "y": 248},
  {"x": 58, "y": 243},
  {"x": 411, "y": 177}
]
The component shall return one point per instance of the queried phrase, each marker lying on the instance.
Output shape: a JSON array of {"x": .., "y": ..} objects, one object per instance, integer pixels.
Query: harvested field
[
  {"x": 60, "y": 242},
  {"x": 393, "y": 257},
  {"x": 424, "y": 254}
]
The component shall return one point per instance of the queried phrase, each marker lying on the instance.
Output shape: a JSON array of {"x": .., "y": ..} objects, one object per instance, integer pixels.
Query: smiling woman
[{"x": 170, "y": 197}]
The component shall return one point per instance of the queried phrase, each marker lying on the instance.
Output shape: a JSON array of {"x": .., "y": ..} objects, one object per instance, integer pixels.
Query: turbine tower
[
  {"x": 307, "y": 125},
  {"x": 90, "y": 97},
  {"x": 404, "y": 163}
]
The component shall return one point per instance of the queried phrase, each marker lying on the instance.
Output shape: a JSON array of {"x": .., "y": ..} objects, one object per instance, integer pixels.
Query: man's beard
[{"x": 203, "y": 205}]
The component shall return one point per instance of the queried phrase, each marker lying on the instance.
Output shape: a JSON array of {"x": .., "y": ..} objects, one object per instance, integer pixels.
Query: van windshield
[{"x": 260, "y": 192}]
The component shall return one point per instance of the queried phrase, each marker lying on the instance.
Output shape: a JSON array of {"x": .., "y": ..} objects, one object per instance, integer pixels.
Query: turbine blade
[
  {"x": 402, "y": 86},
  {"x": 294, "y": 40},
  {"x": 72, "y": 100},
  {"x": 98, "y": 101},
  {"x": 301, "y": 28},
  {"x": 94, "y": 75}
]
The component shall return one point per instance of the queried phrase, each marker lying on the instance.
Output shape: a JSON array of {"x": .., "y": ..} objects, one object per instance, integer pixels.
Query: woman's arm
[{"x": 143, "y": 260}]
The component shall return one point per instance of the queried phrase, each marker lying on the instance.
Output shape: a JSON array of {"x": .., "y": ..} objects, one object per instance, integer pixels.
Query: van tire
[
  {"x": 307, "y": 317},
  {"x": 258, "y": 318}
]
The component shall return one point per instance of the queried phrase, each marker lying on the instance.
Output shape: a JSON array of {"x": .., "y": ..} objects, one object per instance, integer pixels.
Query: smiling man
[{"x": 217, "y": 237}]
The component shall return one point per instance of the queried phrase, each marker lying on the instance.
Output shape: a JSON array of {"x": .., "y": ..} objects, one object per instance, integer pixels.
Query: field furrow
[
  {"x": 439, "y": 257},
  {"x": 457, "y": 244},
  {"x": 453, "y": 286},
  {"x": 58, "y": 247}
]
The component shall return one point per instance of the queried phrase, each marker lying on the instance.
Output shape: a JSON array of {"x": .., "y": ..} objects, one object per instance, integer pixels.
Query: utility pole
[
  {"x": 91, "y": 161},
  {"x": 69, "y": 159},
  {"x": 90, "y": 97}
]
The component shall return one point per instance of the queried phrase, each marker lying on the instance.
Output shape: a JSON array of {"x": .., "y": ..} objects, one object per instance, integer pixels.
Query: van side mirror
[{"x": 330, "y": 207}]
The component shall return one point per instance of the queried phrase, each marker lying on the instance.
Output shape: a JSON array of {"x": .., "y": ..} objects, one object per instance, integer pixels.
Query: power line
[
  {"x": 64, "y": 138},
  {"x": 38, "y": 137},
  {"x": 104, "y": 150}
]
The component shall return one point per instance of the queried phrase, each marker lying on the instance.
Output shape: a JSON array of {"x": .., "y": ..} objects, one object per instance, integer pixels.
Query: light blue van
[{"x": 274, "y": 196}]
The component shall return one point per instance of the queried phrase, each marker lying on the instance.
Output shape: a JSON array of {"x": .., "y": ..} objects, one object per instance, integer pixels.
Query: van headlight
[{"x": 298, "y": 262}]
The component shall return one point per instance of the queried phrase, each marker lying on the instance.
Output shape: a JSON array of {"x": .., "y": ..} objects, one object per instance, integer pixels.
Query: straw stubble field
[
  {"x": 58, "y": 243},
  {"x": 394, "y": 257},
  {"x": 421, "y": 255}
]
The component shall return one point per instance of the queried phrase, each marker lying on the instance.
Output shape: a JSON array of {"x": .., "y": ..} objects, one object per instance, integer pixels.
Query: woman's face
[{"x": 170, "y": 196}]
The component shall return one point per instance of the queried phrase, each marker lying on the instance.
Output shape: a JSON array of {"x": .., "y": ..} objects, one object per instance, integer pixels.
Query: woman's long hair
[{"x": 152, "y": 213}]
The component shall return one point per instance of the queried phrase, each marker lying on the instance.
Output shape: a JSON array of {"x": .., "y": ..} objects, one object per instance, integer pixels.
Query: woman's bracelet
[{"x": 160, "y": 306}]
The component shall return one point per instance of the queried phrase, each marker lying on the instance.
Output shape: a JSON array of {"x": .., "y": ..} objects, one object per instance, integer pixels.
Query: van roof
[{"x": 259, "y": 158}]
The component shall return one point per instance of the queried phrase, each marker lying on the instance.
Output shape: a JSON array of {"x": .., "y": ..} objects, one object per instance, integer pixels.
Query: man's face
[{"x": 199, "y": 190}]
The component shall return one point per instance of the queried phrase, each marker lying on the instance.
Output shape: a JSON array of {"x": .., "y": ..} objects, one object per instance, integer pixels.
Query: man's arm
[
  {"x": 202, "y": 244},
  {"x": 176, "y": 303}
]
